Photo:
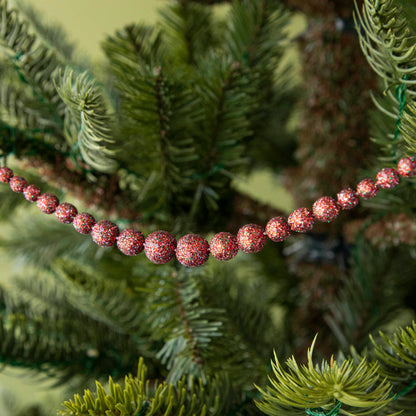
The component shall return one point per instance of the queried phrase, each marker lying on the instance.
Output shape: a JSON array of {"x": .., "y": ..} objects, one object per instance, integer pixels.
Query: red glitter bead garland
[
  {"x": 17, "y": 183},
  {"x": 367, "y": 189},
  {"x": 104, "y": 233},
  {"x": 84, "y": 222},
  {"x": 31, "y": 193},
  {"x": 47, "y": 203},
  {"x": 387, "y": 178},
  {"x": 5, "y": 174},
  {"x": 325, "y": 209},
  {"x": 277, "y": 229},
  {"x": 130, "y": 242},
  {"x": 223, "y": 246},
  {"x": 159, "y": 247},
  {"x": 406, "y": 167},
  {"x": 251, "y": 238},
  {"x": 65, "y": 213},
  {"x": 347, "y": 198},
  {"x": 192, "y": 250},
  {"x": 301, "y": 220}
]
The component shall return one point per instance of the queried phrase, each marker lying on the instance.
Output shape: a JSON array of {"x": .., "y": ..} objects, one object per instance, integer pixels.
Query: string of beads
[{"x": 193, "y": 250}]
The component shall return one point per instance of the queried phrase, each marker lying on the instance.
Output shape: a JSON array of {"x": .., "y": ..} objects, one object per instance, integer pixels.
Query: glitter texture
[
  {"x": 347, "y": 198},
  {"x": 31, "y": 193},
  {"x": 367, "y": 189},
  {"x": 17, "y": 183},
  {"x": 325, "y": 209},
  {"x": 105, "y": 233},
  {"x": 251, "y": 238},
  {"x": 5, "y": 174},
  {"x": 47, "y": 203},
  {"x": 159, "y": 247},
  {"x": 277, "y": 229},
  {"x": 406, "y": 167},
  {"x": 192, "y": 250},
  {"x": 387, "y": 178},
  {"x": 223, "y": 246},
  {"x": 66, "y": 212},
  {"x": 301, "y": 220},
  {"x": 83, "y": 222},
  {"x": 130, "y": 242}
]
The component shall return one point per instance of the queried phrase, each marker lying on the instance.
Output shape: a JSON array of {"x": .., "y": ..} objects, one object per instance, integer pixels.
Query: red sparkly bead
[
  {"x": 325, "y": 209},
  {"x": 367, "y": 189},
  {"x": 277, "y": 229},
  {"x": 47, "y": 203},
  {"x": 251, "y": 238},
  {"x": 66, "y": 212},
  {"x": 347, "y": 198},
  {"x": 105, "y": 233},
  {"x": 5, "y": 174},
  {"x": 387, "y": 178},
  {"x": 130, "y": 242},
  {"x": 17, "y": 183},
  {"x": 301, "y": 220},
  {"x": 159, "y": 247},
  {"x": 223, "y": 246},
  {"x": 192, "y": 250},
  {"x": 406, "y": 167},
  {"x": 83, "y": 222},
  {"x": 31, "y": 193}
]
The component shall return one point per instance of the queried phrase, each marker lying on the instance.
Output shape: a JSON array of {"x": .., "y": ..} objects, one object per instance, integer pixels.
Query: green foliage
[
  {"x": 141, "y": 396},
  {"x": 357, "y": 386}
]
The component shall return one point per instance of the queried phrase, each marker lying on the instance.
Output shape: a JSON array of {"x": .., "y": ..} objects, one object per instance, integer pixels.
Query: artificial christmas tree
[{"x": 138, "y": 270}]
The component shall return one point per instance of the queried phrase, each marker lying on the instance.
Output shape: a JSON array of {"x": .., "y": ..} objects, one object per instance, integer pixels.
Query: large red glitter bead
[
  {"x": 347, "y": 198},
  {"x": 159, "y": 247},
  {"x": 223, "y": 246},
  {"x": 47, "y": 203},
  {"x": 301, "y": 220},
  {"x": 367, "y": 189},
  {"x": 406, "y": 167},
  {"x": 17, "y": 183},
  {"x": 66, "y": 212},
  {"x": 31, "y": 193},
  {"x": 277, "y": 229},
  {"x": 5, "y": 174},
  {"x": 83, "y": 222},
  {"x": 325, "y": 209},
  {"x": 387, "y": 178},
  {"x": 130, "y": 242},
  {"x": 105, "y": 233},
  {"x": 192, "y": 250},
  {"x": 251, "y": 238}
]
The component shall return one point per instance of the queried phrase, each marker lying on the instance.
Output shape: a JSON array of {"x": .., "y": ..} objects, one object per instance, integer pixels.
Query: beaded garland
[{"x": 193, "y": 250}]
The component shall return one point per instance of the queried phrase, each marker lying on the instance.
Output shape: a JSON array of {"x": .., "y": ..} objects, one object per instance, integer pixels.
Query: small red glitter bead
[
  {"x": 66, "y": 212},
  {"x": 223, "y": 246},
  {"x": 5, "y": 174},
  {"x": 277, "y": 229},
  {"x": 47, "y": 203},
  {"x": 17, "y": 183},
  {"x": 192, "y": 250},
  {"x": 301, "y": 220},
  {"x": 251, "y": 238},
  {"x": 105, "y": 233},
  {"x": 325, "y": 209},
  {"x": 387, "y": 178},
  {"x": 83, "y": 222},
  {"x": 31, "y": 193},
  {"x": 406, "y": 167},
  {"x": 367, "y": 189},
  {"x": 159, "y": 247},
  {"x": 130, "y": 242},
  {"x": 347, "y": 198}
]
